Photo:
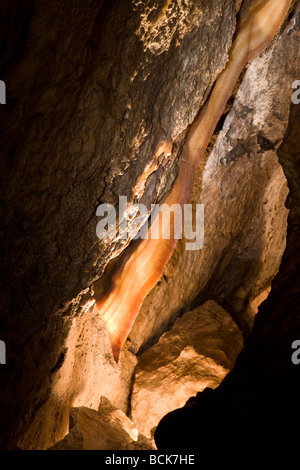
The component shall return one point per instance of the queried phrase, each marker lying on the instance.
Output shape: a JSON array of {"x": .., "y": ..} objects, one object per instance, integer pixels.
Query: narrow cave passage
[{"x": 154, "y": 103}]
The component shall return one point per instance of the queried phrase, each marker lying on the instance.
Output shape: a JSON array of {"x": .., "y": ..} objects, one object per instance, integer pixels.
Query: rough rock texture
[
  {"x": 196, "y": 353},
  {"x": 105, "y": 429},
  {"x": 260, "y": 398},
  {"x": 243, "y": 189},
  {"x": 84, "y": 371},
  {"x": 92, "y": 93}
]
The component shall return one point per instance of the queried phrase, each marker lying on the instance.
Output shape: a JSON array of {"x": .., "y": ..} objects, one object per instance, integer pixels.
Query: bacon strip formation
[{"x": 141, "y": 271}]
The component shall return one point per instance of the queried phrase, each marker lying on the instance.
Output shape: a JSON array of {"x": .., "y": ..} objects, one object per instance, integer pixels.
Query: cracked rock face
[
  {"x": 93, "y": 94},
  {"x": 264, "y": 385},
  {"x": 99, "y": 103},
  {"x": 243, "y": 188},
  {"x": 105, "y": 429},
  {"x": 196, "y": 353}
]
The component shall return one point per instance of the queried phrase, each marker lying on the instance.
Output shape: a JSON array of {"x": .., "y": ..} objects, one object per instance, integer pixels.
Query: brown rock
[
  {"x": 92, "y": 93},
  {"x": 243, "y": 188},
  {"x": 84, "y": 371},
  {"x": 196, "y": 353},
  {"x": 105, "y": 429}
]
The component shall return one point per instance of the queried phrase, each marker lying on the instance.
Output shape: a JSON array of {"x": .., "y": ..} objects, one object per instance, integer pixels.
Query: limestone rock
[
  {"x": 196, "y": 353},
  {"x": 243, "y": 188},
  {"x": 105, "y": 429},
  {"x": 84, "y": 371},
  {"x": 259, "y": 400},
  {"x": 92, "y": 94}
]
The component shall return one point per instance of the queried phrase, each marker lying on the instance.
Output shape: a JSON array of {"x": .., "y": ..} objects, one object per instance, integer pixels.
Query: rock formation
[
  {"x": 105, "y": 429},
  {"x": 99, "y": 103},
  {"x": 196, "y": 353},
  {"x": 78, "y": 129},
  {"x": 260, "y": 397}
]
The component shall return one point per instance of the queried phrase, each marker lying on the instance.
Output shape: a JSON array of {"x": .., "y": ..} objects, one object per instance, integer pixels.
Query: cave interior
[{"x": 131, "y": 342}]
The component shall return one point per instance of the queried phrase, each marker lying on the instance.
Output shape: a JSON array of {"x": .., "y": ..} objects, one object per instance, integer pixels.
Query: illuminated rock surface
[
  {"x": 196, "y": 353},
  {"x": 243, "y": 189},
  {"x": 95, "y": 92},
  {"x": 91, "y": 94},
  {"x": 260, "y": 397},
  {"x": 105, "y": 429}
]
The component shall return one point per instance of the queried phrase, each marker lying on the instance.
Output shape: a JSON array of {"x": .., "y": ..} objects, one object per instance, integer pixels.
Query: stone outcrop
[
  {"x": 196, "y": 353},
  {"x": 105, "y": 429},
  {"x": 93, "y": 94},
  {"x": 260, "y": 398},
  {"x": 243, "y": 188},
  {"x": 84, "y": 372}
]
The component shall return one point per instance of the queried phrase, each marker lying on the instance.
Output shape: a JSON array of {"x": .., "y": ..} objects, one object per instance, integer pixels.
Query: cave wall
[
  {"x": 256, "y": 407},
  {"x": 92, "y": 94},
  {"x": 243, "y": 188}
]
